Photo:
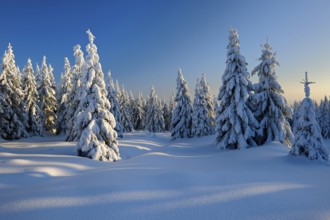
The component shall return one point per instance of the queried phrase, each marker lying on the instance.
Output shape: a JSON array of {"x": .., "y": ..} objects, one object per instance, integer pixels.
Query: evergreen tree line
[{"x": 95, "y": 112}]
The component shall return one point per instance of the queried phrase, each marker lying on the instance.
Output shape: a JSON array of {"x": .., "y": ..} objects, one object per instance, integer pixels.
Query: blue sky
[{"x": 143, "y": 42}]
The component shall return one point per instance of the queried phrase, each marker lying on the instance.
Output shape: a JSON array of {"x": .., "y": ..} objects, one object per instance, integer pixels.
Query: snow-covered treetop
[
  {"x": 182, "y": 87},
  {"x": 233, "y": 45},
  {"x": 92, "y": 56},
  {"x": 91, "y": 37},
  {"x": 306, "y": 85},
  {"x": 268, "y": 58},
  {"x": 79, "y": 55},
  {"x": 8, "y": 60}
]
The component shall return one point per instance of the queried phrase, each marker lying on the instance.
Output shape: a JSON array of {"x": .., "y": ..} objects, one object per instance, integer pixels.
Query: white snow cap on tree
[
  {"x": 271, "y": 108},
  {"x": 182, "y": 113},
  {"x": 98, "y": 139},
  {"x": 308, "y": 140},
  {"x": 235, "y": 122},
  {"x": 154, "y": 116}
]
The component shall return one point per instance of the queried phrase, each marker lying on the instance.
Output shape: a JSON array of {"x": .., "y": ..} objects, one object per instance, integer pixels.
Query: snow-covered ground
[{"x": 41, "y": 178}]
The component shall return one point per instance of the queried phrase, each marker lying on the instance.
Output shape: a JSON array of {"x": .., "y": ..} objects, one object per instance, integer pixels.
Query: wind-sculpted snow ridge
[{"x": 157, "y": 178}]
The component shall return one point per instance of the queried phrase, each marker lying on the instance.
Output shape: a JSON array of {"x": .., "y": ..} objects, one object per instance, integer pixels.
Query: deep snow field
[{"x": 41, "y": 178}]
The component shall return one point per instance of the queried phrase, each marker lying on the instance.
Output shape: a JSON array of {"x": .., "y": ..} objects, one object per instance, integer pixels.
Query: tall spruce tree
[
  {"x": 74, "y": 93},
  {"x": 202, "y": 124},
  {"x": 63, "y": 92},
  {"x": 271, "y": 108},
  {"x": 13, "y": 117},
  {"x": 115, "y": 106},
  {"x": 235, "y": 123},
  {"x": 154, "y": 115},
  {"x": 308, "y": 140},
  {"x": 206, "y": 91},
  {"x": 47, "y": 99},
  {"x": 31, "y": 99},
  {"x": 182, "y": 114},
  {"x": 98, "y": 139}
]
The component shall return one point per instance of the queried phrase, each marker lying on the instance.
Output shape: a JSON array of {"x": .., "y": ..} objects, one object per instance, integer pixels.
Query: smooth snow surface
[{"x": 41, "y": 178}]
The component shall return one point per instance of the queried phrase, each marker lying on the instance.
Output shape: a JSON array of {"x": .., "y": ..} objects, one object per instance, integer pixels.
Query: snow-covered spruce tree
[
  {"x": 126, "y": 117},
  {"x": 182, "y": 114},
  {"x": 154, "y": 115},
  {"x": 74, "y": 93},
  {"x": 236, "y": 124},
  {"x": 271, "y": 108},
  {"x": 13, "y": 116},
  {"x": 47, "y": 99},
  {"x": 63, "y": 91},
  {"x": 308, "y": 140},
  {"x": 205, "y": 89},
  {"x": 323, "y": 117},
  {"x": 139, "y": 114},
  {"x": 98, "y": 139},
  {"x": 115, "y": 106},
  {"x": 31, "y": 100},
  {"x": 201, "y": 122}
]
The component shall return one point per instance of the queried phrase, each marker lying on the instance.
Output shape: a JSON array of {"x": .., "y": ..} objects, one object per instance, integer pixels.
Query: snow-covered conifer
[
  {"x": 63, "y": 92},
  {"x": 74, "y": 93},
  {"x": 205, "y": 89},
  {"x": 202, "y": 124},
  {"x": 98, "y": 139},
  {"x": 308, "y": 140},
  {"x": 47, "y": 99},
  {"x": 115, "y": 106},
  {"x": 323, "y": 117},
  {"x": 126, "y": 117},
  {"x": 154, "y": 115},
  {"x": 271, "y": 108},
  {"x": 12, "y": 111},
  {"x": 31, "y": 99},
  {"x": 139, "y": 114},
  {"x": 235, "y": 125},
  {"x": 181, "y": 118}
]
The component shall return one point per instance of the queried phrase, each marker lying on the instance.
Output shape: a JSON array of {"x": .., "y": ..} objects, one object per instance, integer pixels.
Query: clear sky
[{"x": 143, "y": 42}]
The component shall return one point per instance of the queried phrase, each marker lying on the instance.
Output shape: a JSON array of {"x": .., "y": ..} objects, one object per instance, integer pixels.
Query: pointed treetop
[
  {"x": 44, "y": 60},
  {"x": 306, "y": 85},
  {"x": 90, "y": 36},
  {"x": 109, "y": 74},
  {"x": 29, "y": 62},
  {"x": 10, "y": 48},
  {"x": 76, "y": 47}
]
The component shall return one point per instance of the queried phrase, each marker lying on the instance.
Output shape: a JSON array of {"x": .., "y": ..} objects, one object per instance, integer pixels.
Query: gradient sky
[{"x": 143, "y": 42}]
